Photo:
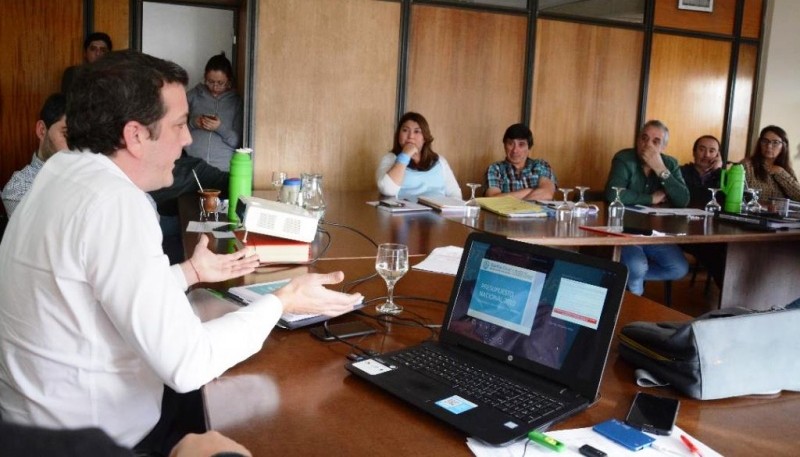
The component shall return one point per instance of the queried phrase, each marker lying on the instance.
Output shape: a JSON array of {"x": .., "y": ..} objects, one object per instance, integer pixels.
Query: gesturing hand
[
  {"x": 306, "y": 294},
  {"x": 211, "y": 267}
]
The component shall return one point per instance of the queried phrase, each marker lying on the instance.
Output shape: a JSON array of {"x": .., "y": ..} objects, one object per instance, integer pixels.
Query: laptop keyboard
[{"x": 513, "y": 399}]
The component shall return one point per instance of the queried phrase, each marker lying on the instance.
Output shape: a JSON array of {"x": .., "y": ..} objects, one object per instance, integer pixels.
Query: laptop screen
[{"x": 551, "y": 312}]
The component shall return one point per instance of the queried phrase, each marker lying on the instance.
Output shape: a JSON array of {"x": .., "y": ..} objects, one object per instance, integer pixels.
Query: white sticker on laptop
[
  {"x": 372, "y": 366},
  {"x": 456, "y": 404}
]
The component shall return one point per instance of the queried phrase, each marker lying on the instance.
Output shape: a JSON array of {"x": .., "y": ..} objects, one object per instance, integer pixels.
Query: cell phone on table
[
  {"x": 653, "y": 414},
  {"x": 342, "y": 330},
  {"x": 392, "y": 203}
]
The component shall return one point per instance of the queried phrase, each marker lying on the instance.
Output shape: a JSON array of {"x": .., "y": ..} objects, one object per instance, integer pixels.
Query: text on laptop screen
[{"x": 541, "y": 309}]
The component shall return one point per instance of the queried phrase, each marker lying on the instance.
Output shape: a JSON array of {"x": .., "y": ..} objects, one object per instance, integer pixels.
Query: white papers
[
  {"x": 443, "y": 260},
  {"x": 667, "y": 211},
  {"x": 575, "y": 438}
]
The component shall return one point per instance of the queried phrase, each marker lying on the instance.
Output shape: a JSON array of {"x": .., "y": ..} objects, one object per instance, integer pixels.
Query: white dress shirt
[{"x": 93, "y": 320}]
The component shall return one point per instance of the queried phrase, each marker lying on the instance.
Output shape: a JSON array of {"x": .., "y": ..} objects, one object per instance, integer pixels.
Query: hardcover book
[{"x": 271, "y": 249}]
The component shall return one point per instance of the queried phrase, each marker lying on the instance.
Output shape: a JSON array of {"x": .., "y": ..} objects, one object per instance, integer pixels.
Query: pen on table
[
  {"x": 228, "y": 296},
  {"x": 692, "y": 448}
]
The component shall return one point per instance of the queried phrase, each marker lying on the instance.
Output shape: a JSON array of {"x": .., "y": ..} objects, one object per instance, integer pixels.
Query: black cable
[{"x": 335, "y": 224}]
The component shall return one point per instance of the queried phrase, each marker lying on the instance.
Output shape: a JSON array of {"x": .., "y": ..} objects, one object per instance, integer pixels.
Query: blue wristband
[{"x": 403, "y": 158}]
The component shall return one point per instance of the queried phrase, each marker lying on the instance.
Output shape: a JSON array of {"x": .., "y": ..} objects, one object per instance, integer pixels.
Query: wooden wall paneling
[
  {"x": 585, "y": 98},
  {"x": 742, "y": 102},
  {"x": 751, "y": 20},
  {"x": 687, "y": 89},
  {"x": 114, "y": 18},
  {"x": 719, "y": 21},
  {"x": 40, "y": 39},
  {"x": 466, "y": 76},
  {"x": 325, "y": 89}
]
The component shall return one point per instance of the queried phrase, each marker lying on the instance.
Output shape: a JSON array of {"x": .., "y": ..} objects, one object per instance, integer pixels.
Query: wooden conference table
[
  {"x": 761, "y": 268},
  {"x": 294, "y": 397}
]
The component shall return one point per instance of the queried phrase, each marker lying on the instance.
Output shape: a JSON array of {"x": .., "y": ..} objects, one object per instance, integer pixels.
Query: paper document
[
  {"x": 511, "y": 207},
  {"x": 575, "y": 438},
  {"x": 667, "y": 211},
  {"x": 443, "y": 260}
]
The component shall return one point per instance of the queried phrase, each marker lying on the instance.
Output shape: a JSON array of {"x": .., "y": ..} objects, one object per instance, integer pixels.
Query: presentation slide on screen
[
  {"x": 506, "y": 295},
  {"x": 579, "y": 303}
]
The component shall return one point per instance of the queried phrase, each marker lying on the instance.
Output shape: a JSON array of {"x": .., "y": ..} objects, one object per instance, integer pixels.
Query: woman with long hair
[
  {"x": 412, "y": 168},
  {"x": 215, "y": 115},
  {"x": 769, "y": 169}
]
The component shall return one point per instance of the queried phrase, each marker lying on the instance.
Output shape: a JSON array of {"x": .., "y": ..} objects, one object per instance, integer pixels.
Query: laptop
[{"x": 525, "y": 323}]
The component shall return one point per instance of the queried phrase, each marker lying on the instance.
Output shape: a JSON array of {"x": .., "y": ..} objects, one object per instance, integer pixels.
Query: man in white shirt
[
  {"x": 93, "y": 320},
  {"x": 51, "y": 129}
]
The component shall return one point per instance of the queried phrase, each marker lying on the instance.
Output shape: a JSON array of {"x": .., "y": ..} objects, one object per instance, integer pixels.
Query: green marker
[{"x": 546, "y": 441}]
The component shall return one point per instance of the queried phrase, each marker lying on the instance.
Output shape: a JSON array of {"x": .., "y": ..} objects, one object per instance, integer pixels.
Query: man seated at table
[
  {"x": 700, "y": 175},
  {"x": 184, "y": 182},
  {"x": 649, "y": 177},
  {"x": 704, "y": 172},
  {"x": 93, "y": 320},
  {"x": 51, "y": 129},
  {"x": 519, "y": 175}
]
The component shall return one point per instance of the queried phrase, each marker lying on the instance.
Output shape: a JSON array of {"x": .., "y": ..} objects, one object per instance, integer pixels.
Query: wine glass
[
  {"x": 754, "y": 206},
  {"x": 564, "y": 211},
  {"x": 581, "y": 208},
  {"x": 473, "y": 208},
  {"x": 278, "y": 177},
  {"x": 616, "y": 209},
  {"x": 713, "y": 206},
  {"x": 391, "y": 263}
]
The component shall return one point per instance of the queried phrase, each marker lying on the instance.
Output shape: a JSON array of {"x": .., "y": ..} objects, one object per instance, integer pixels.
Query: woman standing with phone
[{"x": 215, "y": 115}]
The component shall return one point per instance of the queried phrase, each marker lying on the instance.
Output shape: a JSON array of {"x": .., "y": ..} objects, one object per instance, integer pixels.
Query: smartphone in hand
[{"x": 653, "y": 414}]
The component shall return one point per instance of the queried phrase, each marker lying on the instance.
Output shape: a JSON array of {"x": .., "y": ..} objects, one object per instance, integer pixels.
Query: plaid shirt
[
  {"x": 503, "y": 176},
  {"x": 20, "y": 184}
]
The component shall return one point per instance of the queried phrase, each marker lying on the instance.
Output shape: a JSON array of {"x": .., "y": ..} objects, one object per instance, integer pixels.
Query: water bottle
[
  {"x": 731, "y": 182},
  {"x": 241, "y": 180}
]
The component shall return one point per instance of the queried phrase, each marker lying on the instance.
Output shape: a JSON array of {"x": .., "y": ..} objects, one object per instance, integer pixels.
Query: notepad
[{"x": 509, "y": 206}]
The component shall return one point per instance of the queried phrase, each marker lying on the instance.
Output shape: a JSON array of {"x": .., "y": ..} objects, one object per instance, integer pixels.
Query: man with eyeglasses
[{"x": 649, "y": 177}]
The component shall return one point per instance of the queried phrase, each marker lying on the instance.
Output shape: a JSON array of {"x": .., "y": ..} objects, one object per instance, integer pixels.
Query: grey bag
[{"x": 723, "y": 353}]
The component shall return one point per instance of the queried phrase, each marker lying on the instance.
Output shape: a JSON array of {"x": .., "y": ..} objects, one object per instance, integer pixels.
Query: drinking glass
[
  {"x": 391, "y": 263},
  {"x": 754, "y": 206},
  {"x": 581, "y": 208},
  {"x": 713, "y": 206},
  {"x": 278, "y": 177},
  {"x": 473, "y": 208},
  {"x": 564, "y": 211},
  {"x": 616, "y": 209}
]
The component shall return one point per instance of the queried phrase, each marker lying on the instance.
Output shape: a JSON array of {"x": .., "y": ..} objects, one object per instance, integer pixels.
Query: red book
[{"x": 271, "y": 249}]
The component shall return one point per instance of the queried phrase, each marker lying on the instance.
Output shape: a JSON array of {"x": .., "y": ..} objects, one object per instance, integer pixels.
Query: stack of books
[{"x": 271, "y": 249}]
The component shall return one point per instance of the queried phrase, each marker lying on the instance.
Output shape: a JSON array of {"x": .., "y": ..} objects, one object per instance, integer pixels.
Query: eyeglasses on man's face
[{"x": 768, "y": 142}]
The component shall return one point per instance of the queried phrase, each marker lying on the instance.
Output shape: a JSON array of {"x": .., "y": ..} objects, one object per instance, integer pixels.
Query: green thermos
[
  {"x": 240, "y": 183},
  {"x": 731, "y": 182}
]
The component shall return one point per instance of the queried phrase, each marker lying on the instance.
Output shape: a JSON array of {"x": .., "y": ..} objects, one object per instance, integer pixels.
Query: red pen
[{"x": 692, "y": 448}]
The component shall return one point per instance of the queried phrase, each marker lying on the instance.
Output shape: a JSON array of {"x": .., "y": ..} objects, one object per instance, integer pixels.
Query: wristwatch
[{"x": 664, "y": 175}]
